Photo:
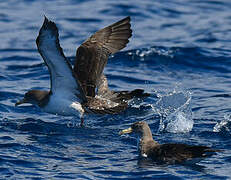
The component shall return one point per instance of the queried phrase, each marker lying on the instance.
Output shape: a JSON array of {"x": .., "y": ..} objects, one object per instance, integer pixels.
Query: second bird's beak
[
  {"x": 20, "y": 102},
  {"x": 125, "y": 131}
]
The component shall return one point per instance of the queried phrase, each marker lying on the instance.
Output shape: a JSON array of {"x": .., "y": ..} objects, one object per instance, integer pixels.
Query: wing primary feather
[{"x": 92, "y": 55}]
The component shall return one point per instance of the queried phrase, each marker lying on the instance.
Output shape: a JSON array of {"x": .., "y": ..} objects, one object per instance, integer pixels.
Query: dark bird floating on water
[
  {"x": 165, "y": 153},
  {"x": 83, "y": 88}
]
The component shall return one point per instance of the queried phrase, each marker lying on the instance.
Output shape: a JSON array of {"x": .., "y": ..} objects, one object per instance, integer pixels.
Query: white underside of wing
[
  {"x": 61, "y": 75},
  {"x": 62, "y": 79}
]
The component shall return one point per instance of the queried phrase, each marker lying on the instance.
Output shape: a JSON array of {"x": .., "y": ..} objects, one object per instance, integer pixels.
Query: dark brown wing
[
  {"x": 118, "y": 96},
  {"x": 179, "y": 152},
  {"x": 92, "y": 55},
  {"x": 103, "y": 89}
]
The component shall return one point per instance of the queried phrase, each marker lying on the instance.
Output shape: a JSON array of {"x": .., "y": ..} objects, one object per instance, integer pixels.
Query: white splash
[
  {"x": 179, "y": 122},
  {"x": 175, "y": 112},
  {"x": 224, "y": 125},
  {"x": 153, "y": 50}
]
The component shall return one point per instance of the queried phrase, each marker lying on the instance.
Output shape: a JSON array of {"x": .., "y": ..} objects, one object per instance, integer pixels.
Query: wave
[{"x": 179, "y": 58}]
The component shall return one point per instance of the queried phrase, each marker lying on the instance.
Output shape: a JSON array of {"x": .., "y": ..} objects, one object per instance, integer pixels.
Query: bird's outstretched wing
[
  {"x": 62, "y": 78},
  {"x": 92, "y": 55}
]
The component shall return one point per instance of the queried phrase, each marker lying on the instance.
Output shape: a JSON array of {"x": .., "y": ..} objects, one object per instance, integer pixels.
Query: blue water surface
[{"x": 180, "y": 52}]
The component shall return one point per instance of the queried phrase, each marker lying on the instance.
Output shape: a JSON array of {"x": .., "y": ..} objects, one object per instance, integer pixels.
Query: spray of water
[
  {"x": 224, "y": 125},
  {"x": 175, "y": 112}
]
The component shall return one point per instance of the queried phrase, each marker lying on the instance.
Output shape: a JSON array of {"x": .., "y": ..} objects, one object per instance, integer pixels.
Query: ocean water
[{"x": 180, "y": 52}]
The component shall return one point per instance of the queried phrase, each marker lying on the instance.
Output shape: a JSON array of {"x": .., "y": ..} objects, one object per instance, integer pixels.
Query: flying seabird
[
  {"x": 165, "y": 153},
  {"x": 84, "y": 88}
]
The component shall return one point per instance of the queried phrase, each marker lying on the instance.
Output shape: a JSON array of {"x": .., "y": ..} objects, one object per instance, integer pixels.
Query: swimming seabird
[
  {"x": 165, "y": 153},
  {"x": 84, "y": 88}
]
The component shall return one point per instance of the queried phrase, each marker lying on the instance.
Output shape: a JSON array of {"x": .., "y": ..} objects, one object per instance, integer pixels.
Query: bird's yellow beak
[
  {"x": 20, "y": 102},
  {"x": 125, "y": 131}
]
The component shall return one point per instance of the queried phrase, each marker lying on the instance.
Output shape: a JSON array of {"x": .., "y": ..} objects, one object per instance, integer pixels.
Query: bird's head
[
  {"x": 35, "y": 97},
  {"x": 138, "y": 127}
]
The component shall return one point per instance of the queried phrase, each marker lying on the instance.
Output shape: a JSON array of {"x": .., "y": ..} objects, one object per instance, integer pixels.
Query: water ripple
[{"x": 176, "y": 45}]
